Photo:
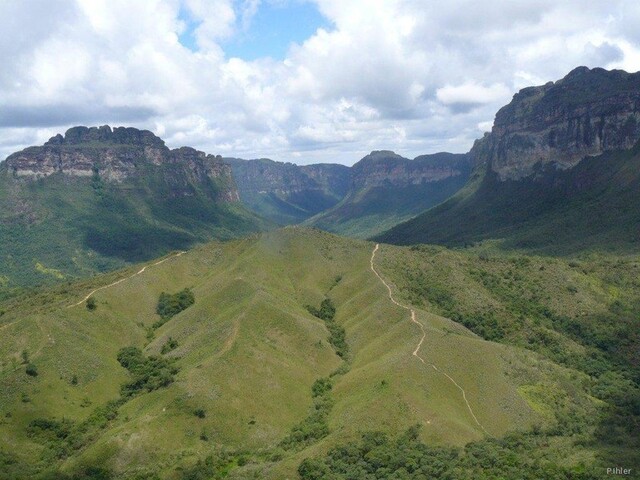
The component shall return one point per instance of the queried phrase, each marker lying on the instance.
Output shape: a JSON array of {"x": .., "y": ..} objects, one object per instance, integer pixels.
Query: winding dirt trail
[
  {"x": 126, "y": 278},
  {"x": 416, "y": 352}
]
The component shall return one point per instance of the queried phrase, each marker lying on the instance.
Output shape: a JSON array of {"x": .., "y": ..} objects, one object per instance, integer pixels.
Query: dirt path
[
  {"x": 416, "y": 352},
  {"x": 126, "y": 278}
]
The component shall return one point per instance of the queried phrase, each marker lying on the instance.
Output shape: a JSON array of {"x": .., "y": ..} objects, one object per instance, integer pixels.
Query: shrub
[
  {"x": 172, "y": 304},
  {"x": 170, "y": 344},
  {"x": 148, "y": 373},
  {"x": 31, "y": 370},
  {"x": 91, "y": 304},
  {"x": 200, "y": 413},
  {"x": 337, "y": 334}
]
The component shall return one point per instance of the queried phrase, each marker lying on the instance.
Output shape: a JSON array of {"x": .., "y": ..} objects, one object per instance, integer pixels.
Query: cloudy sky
[{"x": 294, "y": 80}]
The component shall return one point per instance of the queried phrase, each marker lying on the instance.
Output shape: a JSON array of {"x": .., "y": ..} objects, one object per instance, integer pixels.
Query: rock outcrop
[
  {"x": 266, "y": 176},
  {"x": 588, "y": 112},
  {"x": 385, "y": 168},
  {"x": 118, "y": 154}
]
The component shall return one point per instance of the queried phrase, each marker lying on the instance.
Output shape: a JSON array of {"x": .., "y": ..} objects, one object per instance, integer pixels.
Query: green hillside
[
  {"x": 293, "y": 347},
  {"x": 286, "y": 193},
  {"x": 388, "y": 189},
  {"x": 125, "y": 207},
  {"x": 370, "y": 211},
  {"x": 591, "y": 206}
]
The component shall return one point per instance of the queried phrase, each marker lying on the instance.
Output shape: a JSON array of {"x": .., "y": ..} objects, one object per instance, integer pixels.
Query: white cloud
[
  {"x": 471, "y": 94},
  {"x": 408, "y": 75}
]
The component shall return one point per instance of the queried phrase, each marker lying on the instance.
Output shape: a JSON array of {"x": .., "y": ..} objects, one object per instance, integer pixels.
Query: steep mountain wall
[
  {"x": 586, "y": 113},
  {"x": 119, "y": 154}
]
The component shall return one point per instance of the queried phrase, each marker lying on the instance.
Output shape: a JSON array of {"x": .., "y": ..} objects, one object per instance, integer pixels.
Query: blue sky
[{"x": 269, "y": 32}]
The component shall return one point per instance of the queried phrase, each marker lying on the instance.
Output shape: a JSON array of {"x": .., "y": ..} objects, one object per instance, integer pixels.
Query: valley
[
  {"x": 248, "y": 352},
  {"x": 169, "y": 314}
]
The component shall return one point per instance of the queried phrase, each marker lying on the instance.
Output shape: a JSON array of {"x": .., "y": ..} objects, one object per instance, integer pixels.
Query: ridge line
[{"x": 424, "y": 335}]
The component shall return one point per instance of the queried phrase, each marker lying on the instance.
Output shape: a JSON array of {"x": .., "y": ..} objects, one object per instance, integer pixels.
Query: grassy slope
[
  {"x": 369, "y": 212},
  {"x": 249, "y": 352},
  {"x": 593, "y": 205},
  {"x": 73, "y": 229}
]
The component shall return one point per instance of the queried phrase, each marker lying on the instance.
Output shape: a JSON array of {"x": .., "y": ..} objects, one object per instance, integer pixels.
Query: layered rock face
[
  {"x": 264, "y": 176},
  {"x": 386, "y": 168},
  {"x": 116, "y": 155},
  {"x": 588, "y": 112}
]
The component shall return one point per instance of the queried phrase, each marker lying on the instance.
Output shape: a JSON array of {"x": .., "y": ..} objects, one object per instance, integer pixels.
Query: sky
[{"x": 304, "y": 81}]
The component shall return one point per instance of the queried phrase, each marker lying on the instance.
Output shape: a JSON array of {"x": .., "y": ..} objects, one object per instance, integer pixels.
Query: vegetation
[
  {"x": 315, "y": 426},
  {"x": 148, "y": 373},
  {"x": 557, "y": 212},
  {"x": 31, "y": 370},
  {"x": 337, "y": 335},
  {"x": 169, "y": 345},
  {"x": 170, "y": 305},
  {"x": 379, "y": 456},
  {"x": 588, "y": 326},
  {"x": 273, "y": 390},
  {"x": 91, "y": 304}
]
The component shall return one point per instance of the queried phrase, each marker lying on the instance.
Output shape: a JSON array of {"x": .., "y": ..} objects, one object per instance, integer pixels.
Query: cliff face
[
  {"x": 99, "y": 198},
  {"x": 119, "y": 154},
  {"x": 586, "y": 113},
  {"x": 386, "y": 189},
  {"x": 266, "y": 176},
  {"x": 287, "y": 193},
  {"x": 385, "y": 168}
]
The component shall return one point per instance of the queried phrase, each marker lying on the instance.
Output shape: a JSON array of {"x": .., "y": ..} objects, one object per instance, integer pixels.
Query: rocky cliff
[
  {"x": 288, "y": 193},
  {"x": 386, "y": 189},
  {"x": 386, "y": 168},
  {"x": 98, "y": 198},
  {"x": 118, "y": 154},
  {"x": 588, "y": 112},
  {"x": 266, "y": 176},
  {"x": 559, "y": 173}
]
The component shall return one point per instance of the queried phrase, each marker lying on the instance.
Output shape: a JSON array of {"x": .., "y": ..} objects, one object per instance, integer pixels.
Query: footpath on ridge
[{"x": 416, "y": 352}]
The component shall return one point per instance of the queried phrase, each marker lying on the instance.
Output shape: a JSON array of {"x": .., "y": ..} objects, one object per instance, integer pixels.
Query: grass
[
  {"x": 371, "y": 211},
  {"x": 64, "y": 228},
  {"x": 249, "y": 354},
  {"x": 591, "y": 207}
]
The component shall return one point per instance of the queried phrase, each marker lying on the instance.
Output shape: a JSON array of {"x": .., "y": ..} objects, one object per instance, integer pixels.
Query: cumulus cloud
[{"x": 407, "y": 75}]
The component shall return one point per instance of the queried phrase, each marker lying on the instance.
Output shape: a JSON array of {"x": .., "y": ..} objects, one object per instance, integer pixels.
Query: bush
[
  {"x": 149, "y": 373},
  {"x": 337, "y": 334},
  {"x": 91, "y": 304},
  {"x": 170, "y": 344},
  {"x": 31, "y": 370},
  {"x": 172, "y": 304},
  {"x": 200, "y": 413}
]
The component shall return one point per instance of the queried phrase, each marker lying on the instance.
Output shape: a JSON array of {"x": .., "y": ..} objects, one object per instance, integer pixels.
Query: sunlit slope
[{"x": 248, "y": 353}]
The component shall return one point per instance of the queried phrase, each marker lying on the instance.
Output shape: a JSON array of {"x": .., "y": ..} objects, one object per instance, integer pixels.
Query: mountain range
[
  {"x": 179, "y": 333},
  {"x": 376, "y": 193},
  {"x": 98, "y": 198},
  {"x": 559, "y": 172}
]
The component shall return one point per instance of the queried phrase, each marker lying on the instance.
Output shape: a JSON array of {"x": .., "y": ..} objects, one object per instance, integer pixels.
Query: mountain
[
  {"x": 98, "y": 198},
  {"x": 387, "y": 189},
  {"x": 269, "y": 356},
  {"x": 558, "y": 173},
  {"x": 286, "y": 193}
]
